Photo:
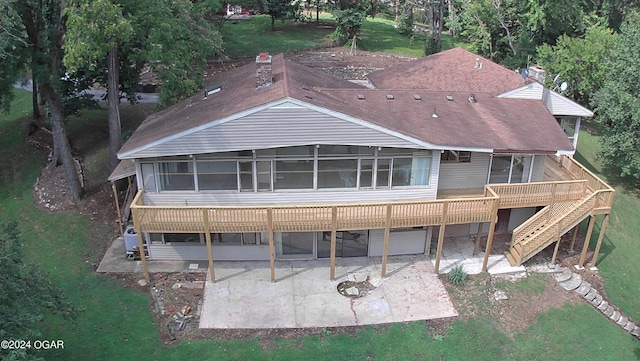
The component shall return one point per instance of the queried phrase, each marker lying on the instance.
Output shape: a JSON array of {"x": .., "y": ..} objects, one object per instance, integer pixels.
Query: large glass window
[
  {"x": 176, "y": 176},
  {"x": 218, "y": 175},
  {"x": 148, "y": 177},
  {"x": 292, "y": 168},
  {"x": 293, "y": 174},
  {"x": 366, "y": 173},
  {"x": 382, "y": 173},
  {"x": 246, "y": 176},
  {"x": 500, "y": 166},
  {"x": 337, "y": 173}
]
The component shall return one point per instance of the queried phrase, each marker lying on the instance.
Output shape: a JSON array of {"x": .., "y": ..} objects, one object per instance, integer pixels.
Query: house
[{"x": 280, "y": 161}]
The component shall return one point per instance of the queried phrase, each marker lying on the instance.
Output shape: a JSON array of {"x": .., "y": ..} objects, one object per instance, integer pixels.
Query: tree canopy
[
  {"x": 27, "y": 295},
  {"x": 617, "y": 103}
]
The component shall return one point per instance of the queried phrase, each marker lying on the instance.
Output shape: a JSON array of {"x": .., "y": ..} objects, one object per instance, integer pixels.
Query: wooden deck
[
  {"x": 572, "y": 183},
  {"x": 454, "y": 207}
]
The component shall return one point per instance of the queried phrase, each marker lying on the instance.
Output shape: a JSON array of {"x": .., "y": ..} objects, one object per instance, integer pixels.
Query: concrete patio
[{"x": 243, "y": 295}]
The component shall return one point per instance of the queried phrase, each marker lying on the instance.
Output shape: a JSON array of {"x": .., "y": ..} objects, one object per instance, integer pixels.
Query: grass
[
  {"x": 248, "y": 37},
  {"x": 618, "y": 261},
  {"x": 116, "y": 321}
]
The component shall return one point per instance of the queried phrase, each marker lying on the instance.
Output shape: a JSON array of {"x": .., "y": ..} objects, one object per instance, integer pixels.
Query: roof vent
[
  {"x": 435, "y": 113},
  {"x": 305, "y": 88},
  {"x": 472, "y": 99},
  {"x": 390, "y": 97},
  {"x": 449, "y": 98},
  {"x": 478, "y": 64},
  {"x": 417, "y": 97},
  {"x": 361, "y": 97},
  {"x": 308, "y": 96}
]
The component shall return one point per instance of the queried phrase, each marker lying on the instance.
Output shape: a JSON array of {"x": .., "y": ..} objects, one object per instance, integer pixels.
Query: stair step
[
  {"x": 564, "y": 276},
  {"x": 596, "y": 301},
  {"x": 572, "y": 283},
  {"x": 629, "y": 326},
  {"x": 584, "y": 288},
  {"x": 622, "y": 321},
  {"x": 512, "y": 260},
  {"x": 591, "y": 294}
]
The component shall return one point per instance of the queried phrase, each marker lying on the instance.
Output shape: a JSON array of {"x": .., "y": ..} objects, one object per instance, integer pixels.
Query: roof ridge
[{"x": 286, "y": 87}]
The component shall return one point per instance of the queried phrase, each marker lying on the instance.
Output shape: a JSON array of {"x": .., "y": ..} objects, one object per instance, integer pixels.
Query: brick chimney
[
  {"x": 537, "y": 73},
  {"x": 264, "y": 75}
]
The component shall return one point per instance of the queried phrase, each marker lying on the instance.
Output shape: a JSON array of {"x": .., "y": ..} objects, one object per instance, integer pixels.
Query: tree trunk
[
  {"x": 318, "y": 11},
  {"x": 440, "y": 21},
  {"x": 432, "y": 24},
  {"x": 61, "y": 141},
  {"x": 273, "y": 23},
  {"x": 34, "y": 99},
  {"x": 113, "y": 98},
  {"x": 452, "y": 18}
]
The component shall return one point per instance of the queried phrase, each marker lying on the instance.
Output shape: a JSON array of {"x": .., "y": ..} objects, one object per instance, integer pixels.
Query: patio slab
[
  {"x": 459, "y": 251},
  {"x": 303, "y": 296}
]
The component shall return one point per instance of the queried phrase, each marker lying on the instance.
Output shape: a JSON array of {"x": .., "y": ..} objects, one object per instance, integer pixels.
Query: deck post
[
  {"x": 115, "y": 197},
  {"x": 603, "y": 228},
  {"x": 272, "y": 248},
  {"x": 492, "y": 230},
  {"x": 555, "y": 252},
  {"x": 207, "y": 236},
  {"x": 587, "y": 238},
  {"x": 385, "y": 248},
  {"x": 443, "y": 226},
  {"x": 143, "y": 254},
  {"x": 575, "y": 235},
  {"x": 476, "y": 247},
  {"x": 334, "y": 225}
]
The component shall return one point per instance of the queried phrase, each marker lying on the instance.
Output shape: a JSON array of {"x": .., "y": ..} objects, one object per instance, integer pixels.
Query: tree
[
  {"x": 579, "y": 61},
  {"x": 11, "y": 39},
  {"x": 350, "y": 15},
  {"x": 44, "y": 26},
  {"x": 96, "y": 28},
  {"x": 27, "y": 295},
  {"x": 281, "y": 10},
  {"x": 617, "y": 104}
]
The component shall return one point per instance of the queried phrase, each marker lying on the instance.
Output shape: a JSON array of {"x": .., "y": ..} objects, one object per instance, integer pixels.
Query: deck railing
[
  {"x": 298, "y": 218},
  {"x": 311, "y": 218}
]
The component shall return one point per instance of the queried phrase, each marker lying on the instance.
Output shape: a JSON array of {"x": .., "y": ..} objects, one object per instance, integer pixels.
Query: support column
[
  {"x": 575, "y": 235},
  {"x": 385, "y": 248},
  {"x": 492, "y": 229},
  {"x": 272, "y": 248},
  {"x": 115, "y": 197},
  {"x": 334, "y": 225},
  {"x": 207, "y": 237},
  {"x": 603, "y": 228},
  {"x": 587, "y": 238},
  {"x": 555, "y": 252},
  {"x": 443, "y": 226},
  {"x": 476, "y": 247},
  {"x": 143, "y": 257}
]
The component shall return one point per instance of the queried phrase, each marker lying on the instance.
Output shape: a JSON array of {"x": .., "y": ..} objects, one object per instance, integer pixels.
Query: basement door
[{"x": 348, "y": 244}]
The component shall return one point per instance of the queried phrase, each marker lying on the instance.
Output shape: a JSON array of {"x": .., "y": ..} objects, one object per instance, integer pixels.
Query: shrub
[{"x": 457, "y": 275}]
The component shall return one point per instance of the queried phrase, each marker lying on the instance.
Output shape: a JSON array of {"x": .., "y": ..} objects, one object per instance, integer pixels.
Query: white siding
[
  {"x": 275, "y": 127},
  {"x": 537, "y": 175},
  {"x": 400, "y": 242},
  {"x": 555, "y": 102},
  {"x": 465, "y": 175},
  {"x": 198, "y": 252}
]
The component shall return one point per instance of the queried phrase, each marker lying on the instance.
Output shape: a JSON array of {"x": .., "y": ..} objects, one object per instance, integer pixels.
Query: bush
[{"x": 457, "y": 276}]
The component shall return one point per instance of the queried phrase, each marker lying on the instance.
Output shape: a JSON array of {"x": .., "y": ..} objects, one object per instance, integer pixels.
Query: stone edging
[{"x": 573, "y": 282}]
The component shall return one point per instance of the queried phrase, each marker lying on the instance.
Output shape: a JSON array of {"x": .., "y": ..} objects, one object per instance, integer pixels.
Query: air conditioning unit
[{"x": 131, "y": 240}]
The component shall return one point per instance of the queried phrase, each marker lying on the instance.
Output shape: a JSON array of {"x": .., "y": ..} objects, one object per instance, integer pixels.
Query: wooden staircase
[{"x": 547, "y": 226}]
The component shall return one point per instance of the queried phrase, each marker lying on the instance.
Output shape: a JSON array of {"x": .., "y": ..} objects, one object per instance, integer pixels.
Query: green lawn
[
  {"x": 248, "y": 37},
  {"x": 116, "y": 322}
]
